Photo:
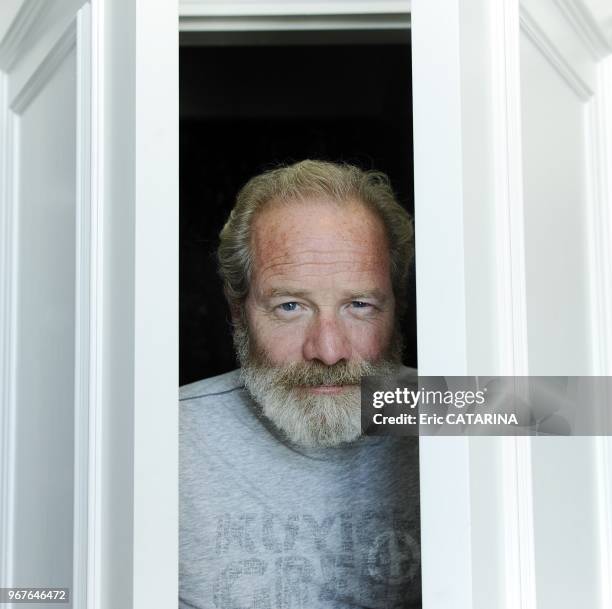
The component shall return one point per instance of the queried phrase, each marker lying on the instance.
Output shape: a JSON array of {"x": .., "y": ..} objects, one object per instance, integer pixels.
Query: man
[{"x": 284, "y": 504}]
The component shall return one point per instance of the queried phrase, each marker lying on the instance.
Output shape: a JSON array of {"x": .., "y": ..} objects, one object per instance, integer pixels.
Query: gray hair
[{"x": 338, "y": 182}]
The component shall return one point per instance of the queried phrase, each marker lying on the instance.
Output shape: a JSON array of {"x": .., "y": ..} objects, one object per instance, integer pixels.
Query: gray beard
[{"x": 306, "y": 419}]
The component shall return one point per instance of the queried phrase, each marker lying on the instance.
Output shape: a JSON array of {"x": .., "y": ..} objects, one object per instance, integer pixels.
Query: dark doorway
[{"x": 244, "y": 109}]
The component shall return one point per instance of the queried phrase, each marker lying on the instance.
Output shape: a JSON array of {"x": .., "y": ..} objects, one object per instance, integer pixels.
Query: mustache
[{"x": 314, "y": 374}]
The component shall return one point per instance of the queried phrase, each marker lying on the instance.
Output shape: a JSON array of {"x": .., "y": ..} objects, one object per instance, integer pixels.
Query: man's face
[
  {"x": 321, "y": 288},
  {"x": 319, "y": 315}
]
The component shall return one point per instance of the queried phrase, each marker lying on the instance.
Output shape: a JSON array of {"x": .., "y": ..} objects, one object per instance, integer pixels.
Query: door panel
[
  {"x": 39, "y": 305},
  {"x": 555, "y": 132},
  {"x": 44, "y": 152}
]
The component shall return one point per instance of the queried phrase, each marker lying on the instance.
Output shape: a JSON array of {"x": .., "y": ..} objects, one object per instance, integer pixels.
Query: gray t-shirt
[{"x": 267, "y": 525}]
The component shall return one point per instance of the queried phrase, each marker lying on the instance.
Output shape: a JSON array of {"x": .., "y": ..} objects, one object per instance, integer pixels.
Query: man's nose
[{"x": 326, "y": 341}]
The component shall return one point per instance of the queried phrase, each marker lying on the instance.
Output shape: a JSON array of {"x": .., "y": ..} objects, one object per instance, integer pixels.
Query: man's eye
[
  {"x": 359, "y": 304},
  {"x": 289, "y": 306}
]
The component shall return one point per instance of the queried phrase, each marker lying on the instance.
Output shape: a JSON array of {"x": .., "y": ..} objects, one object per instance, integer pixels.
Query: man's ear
[
  {"x": 236, "y": 313},
  {"x": 235, "y": 308}
]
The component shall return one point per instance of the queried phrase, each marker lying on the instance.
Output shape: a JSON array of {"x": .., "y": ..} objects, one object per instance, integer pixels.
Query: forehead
[{"x": 317, "y": 238}]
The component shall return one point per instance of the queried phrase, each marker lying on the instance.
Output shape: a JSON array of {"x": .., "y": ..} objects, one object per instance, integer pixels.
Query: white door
[
  {"x": 88, "y": 308},
  {"x": 513, "y": 218}
]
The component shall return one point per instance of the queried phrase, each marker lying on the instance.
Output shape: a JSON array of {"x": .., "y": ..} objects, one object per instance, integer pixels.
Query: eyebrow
[
  {"x": 374, "y": 293},
  {"x": 276, "y": 292}
]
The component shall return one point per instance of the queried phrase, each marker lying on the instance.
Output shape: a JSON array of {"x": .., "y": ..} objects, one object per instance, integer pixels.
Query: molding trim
[
  {"x": 87, "y": 574},
  {"x": 12, "y": 44},
  {"x": 9, "y": 201},
  {"x": 519, "y": 580},
  {"x": 8, "y": 317},
  {"x": 244, "y": 8},
  {"x": 519, "y": 591},
  {"x": 509, "y": 205},
  {"x": 82, "y": 310},
  {"x": 96, "y": 299},
  {"x": 585, "y": 25},
  {"x": 599, "y": 154},
  {"x": 258, "y": 23},
  {"x": 45, "y": 70},
  {"x": 277, "y": 15},
  {"x": 5, "y": 331},
  {"x": 535, "y": 33}
]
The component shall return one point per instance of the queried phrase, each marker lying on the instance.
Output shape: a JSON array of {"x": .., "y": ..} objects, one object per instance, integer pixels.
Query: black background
[{"x": 247, "y": 109}]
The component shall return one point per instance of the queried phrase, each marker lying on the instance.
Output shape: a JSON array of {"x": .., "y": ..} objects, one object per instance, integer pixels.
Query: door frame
[
  {"x": 446, "y": 545},
  {"x": 472, "y": 48}
]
